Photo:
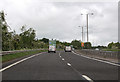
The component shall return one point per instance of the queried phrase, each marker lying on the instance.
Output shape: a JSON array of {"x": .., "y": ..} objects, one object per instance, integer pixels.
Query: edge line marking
[
  {"x": 11, "y": 65},
  {"x": 96, "y": 59}
]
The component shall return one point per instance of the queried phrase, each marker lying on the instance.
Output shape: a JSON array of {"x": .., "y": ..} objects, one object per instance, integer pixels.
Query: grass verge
[{"x": 9, "y": 57}]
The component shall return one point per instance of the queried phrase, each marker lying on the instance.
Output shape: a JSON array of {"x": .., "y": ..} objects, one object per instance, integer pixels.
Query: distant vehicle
[
  {"x": 96, "y": 48},
  {"x": 52, "y": 46},
  {"x": 68, "y": 49}
]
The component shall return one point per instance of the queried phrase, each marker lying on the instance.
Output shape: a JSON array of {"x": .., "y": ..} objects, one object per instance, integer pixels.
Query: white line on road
[
  {"x": 68, "y": 64},
  {"x": 18, "y": 62},
  {"x": 59, "y": 54},
  {"x": 97, "y": 59},
  {"x": 87, "y": 78},
  {"x": 63, "y": 59}
]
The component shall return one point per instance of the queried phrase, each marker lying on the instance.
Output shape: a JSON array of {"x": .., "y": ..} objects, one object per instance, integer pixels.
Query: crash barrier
[
  {"x": 16, "y": 51},
  {"x": 104, "y": 54}
]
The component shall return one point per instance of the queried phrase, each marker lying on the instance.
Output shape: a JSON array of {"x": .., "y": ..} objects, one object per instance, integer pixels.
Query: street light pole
[
  {"x": 87, "y": 26},
  {"x": 82, "y": 32}
]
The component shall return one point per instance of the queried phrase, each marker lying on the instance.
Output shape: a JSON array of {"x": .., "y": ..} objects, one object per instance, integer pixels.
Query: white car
[
  {"x": 96, "y": 48},
  {"x": 52, "y": 49},
  {"x": 68, "y": 49}
]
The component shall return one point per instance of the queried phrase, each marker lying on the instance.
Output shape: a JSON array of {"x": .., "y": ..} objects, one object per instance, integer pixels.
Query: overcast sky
[{"x": 60, "y": 20}]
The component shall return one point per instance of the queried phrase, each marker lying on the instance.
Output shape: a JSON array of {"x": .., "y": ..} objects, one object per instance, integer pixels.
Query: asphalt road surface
[{"x": 61, "y": 66}]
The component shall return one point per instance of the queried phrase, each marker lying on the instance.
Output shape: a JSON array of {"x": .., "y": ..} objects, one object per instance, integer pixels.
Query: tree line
[
  {"x": 113, "y": 45},
  {"x": 24, "y": 40}
]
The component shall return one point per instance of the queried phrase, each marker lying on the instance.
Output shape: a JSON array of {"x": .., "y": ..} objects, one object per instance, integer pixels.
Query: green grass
[
  {"x": 9, "y": 57},
  {"x": 111, "y": 49}
]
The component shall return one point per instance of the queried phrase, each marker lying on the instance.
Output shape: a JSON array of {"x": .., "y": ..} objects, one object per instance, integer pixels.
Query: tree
[
  {"x": 27, "y": 37},
  {"x": 114, "y": 45},
  {"x": 76, "y": 44},
  {"x": 45, "y": 40},
  {"x": 87, "y": 45},
  {"x": 6, "y": 36},
  {"x": 66, "y": 43},
  {"x": 110, "y": 45},
  {"x": 117, "y": 45},
  {"x": 16, "y": 40}
]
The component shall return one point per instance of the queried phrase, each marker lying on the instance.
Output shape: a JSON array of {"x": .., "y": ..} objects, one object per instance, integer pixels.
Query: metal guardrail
[
  {"x": 105, "y": 54},
  {"x": 16, "y": 51}
]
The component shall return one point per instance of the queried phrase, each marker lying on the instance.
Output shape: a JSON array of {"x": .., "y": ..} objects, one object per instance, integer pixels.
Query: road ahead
[{"x": 61, "y": 66}]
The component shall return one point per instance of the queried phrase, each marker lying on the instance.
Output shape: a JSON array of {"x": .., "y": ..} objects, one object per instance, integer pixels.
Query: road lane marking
[
  {"x": 84, "y": 76},
  {"x": 63, "y": 59},
  {"x": 68, "y": 64},
  {"x": 59, "y": 54},
  {"x": 18, "y": 62},
  {"x": 87, "y": 78},
  {"x": 97, "y": 59},
  {"x": 73, "y": 68}
]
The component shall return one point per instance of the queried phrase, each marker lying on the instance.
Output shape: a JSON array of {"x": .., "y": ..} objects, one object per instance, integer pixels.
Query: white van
[
  {"x": 68, "y": 49},
  {"x": 52, "y": 49},
  {"x": 52, "y": 46}
]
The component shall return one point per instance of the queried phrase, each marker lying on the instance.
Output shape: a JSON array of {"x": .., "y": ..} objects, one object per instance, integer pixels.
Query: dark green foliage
[
  {"x": 117, "y": 45},
  {"x": 114, "y": 45},
  {"x": 99, "y": 47},
  {"x": 110, "y": 45},
  {"x": 87, "y": 45},
  {"x": 76, "y": 44},
  {"x": 6, "y": 36},
  {"x": 66, "y": 43},
  {"x": 27, "y": 38},
  {"x": 24, "y": 40},
  {"x": 45, "y": 40},
  {"x": 59, "y": 45}
]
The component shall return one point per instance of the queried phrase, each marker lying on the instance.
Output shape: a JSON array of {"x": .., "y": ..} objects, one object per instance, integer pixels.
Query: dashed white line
[
  {"x": 63, "y": 59},
  {"x": 18, "y": 62},
  {"x": 84, "y": 76},
  {"x": 87, "y": 78},
  {"x": 59, "y": 55},
  {"x": 68, "y": 64},
  {"x": 97, "y": 59}
]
